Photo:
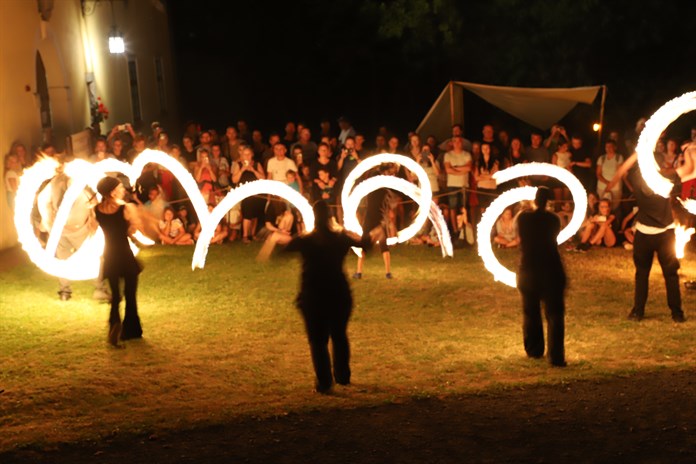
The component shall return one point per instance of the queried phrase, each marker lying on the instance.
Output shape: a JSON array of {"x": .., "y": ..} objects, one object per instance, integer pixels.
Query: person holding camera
[
  {"x": 558, "y": 135},
  {"x": 252, "y": 207}
]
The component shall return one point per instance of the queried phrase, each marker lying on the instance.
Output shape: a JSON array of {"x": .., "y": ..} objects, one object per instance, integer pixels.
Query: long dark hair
[{"x": 487, "y": 165}]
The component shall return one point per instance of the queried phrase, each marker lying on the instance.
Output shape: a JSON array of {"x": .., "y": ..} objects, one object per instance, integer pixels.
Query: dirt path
[{"x": 645, "y": 418}]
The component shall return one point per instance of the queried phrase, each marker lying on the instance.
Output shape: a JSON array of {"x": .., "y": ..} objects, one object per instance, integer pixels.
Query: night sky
[{"x": 385, "y": 63}]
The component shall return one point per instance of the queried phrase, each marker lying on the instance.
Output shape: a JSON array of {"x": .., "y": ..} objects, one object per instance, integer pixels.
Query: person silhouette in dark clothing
[
  {"x": 541, "y": 278},
  {"x": 325, "y": 300}
]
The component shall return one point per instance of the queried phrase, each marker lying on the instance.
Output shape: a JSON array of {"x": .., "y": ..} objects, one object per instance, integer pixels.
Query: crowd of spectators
[{"x": 316, "y": 164}]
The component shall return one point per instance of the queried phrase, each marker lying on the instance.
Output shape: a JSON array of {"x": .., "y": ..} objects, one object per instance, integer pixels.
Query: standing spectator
[
  {"x": 189, "y": 153},
  {"x": 205, "y": 144},
  {"x": 393, "y": 145},
  {"x": 458, "y": 163},
  {"x": 252, "y": 207},
  {"x": 325, "y": 129},
  {"x": 221, "y": 166},
  {"x": 273, "y": 139},
  {"x": 243, "y": 132},
  {"x": 607, "y": 165},
  {"x": 290, "y": 136},
  {"x": 563, "y": 159},
  {"x": 486, "y": 186},
  {"x": 231, "y": 144},
  {"x": 558, "y": 135},
  {"x": 279, "y": 165},
  {"x": 581, "y": 163},
  {"x": 323, "y": 161},
  {"x": 488, "y": 134},
  {"x": 12, "y": 173},
  {"x": 631, "y": 137},
  {"x": 378, "y": 220},
  {"x": 516, "y": 153},
  {"x": 20, "y": 151},
  {"x": 205, "y": 175},
  {"x": 380, "y": 145},
  {"x": 426, "y": 159},
  {"x": 258, "y": 145},
  {"x": 457, "y": 131},
  {"x": 504, "y": 142},
  {"x": 542, "y": 278},
  {"x": 536, "y": 153},
  {"x": 118, "y": 150},
  {"x": 309, "y": 148},
  {"x": 346, "y": 130}
]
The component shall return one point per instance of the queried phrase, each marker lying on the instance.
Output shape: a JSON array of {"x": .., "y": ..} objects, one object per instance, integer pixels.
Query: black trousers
[
  {"x": 131, "y": 321},
  {"x": 644, "y": 248},
  {"x": 320, "y": 327},
  {"x": 532, "y": 327}
]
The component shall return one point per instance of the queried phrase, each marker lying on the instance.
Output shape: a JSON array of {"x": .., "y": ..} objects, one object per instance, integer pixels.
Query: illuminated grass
[{"x": 227, "y": 340}]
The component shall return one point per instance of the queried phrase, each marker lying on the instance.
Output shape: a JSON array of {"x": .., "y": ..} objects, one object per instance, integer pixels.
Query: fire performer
[
  {"x": 655, "y": 234},
  {"x": 325, "y": 300},
  {"x": 118, "y": 220},
  {"x": 542, "y": 278}
]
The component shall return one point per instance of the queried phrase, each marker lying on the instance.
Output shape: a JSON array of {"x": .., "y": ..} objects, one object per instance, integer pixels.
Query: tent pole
[{"x": 601, "y": 120}]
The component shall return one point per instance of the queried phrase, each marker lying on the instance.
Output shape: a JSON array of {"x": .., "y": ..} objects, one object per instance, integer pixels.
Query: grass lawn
[{"x": 227, "y": 341}]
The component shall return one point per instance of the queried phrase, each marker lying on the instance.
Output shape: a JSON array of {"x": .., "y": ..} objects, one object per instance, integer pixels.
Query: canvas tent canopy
[{"x": 539, "y": 107}]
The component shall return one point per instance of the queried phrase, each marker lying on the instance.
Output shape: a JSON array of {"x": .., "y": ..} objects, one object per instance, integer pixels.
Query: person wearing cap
[
  {"x": 325, "y": 300},
  {"x": 541, "y": 277},
  {"x": 118, "y": 220}
]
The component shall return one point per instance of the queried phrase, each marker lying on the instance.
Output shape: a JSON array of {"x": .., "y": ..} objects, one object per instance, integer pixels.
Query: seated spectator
[
  {"x": 277, "y": 227},
  {"x": 566, "y": 213},
  {"x": 221, "y": 230},
  {"x": 464, "y": 231},
  {"x": 155, "y": 203},
  {"x": 183, "y": 215},
  {"x": 172, "y": 230},
  {"x": 234, "y": 222},
  {"x": 506, "y": 235},
  {"x": 598, "y": 230},
  {"x": 628, "y": 228}
]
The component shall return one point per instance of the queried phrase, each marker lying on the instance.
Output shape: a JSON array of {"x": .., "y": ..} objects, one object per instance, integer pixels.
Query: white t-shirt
[
  {"x": 278, "y": 169},
  {"x": 456, "y": 160},
  {"x": 10, "y": 174}
]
